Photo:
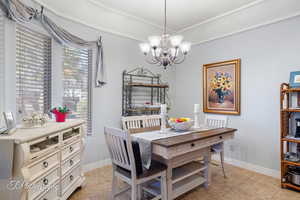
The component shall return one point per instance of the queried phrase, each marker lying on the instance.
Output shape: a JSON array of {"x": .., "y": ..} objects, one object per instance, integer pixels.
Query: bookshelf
[{"x": 286, "y": 114}]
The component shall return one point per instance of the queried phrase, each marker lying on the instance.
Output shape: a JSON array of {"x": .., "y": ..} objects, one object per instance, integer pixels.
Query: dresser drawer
[
  {"x": 70, "y": 163},
  {"x": 198, "y": 144},
  {"x": 40, "y": 167},
  {"x": 71, "y": 134},
  {"x": 42, "y": 146},
  {"x": 70, "y": 179},
  {"x": 52, "y": 194},
  {"x": 71, "y": 149},
  {"x": 45, "y": 183}
]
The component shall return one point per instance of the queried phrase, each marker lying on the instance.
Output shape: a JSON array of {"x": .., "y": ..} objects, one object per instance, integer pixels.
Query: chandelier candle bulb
[
  {"x": 163, "y": 114},
  {"x": 163, "y": 109},
  {"x": 197, "y": 108}
]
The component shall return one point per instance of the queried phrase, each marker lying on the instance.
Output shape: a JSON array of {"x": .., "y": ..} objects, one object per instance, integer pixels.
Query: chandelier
[{"x": 165, "y": 50}]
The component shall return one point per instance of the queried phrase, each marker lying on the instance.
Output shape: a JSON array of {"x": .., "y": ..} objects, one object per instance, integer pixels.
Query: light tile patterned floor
[{"x": 241, "y": 184}]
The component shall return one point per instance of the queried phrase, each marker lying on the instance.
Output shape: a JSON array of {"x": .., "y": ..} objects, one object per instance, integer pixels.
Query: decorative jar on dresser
[{"x": 47, "y": 163}]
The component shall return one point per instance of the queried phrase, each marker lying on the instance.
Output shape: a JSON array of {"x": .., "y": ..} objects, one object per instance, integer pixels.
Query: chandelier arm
[
  {"x": 151, "y": 60},
  {"x": 180, "y": 60}
]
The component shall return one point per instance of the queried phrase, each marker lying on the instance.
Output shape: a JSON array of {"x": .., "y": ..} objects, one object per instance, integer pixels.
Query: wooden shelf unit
[
  {"x": 141, "y": 88},
  {"x": 291, "y": 140},
  {"x": 289, "y": 163},
  {"x": 290, "y": 110},
  {"x": 289, "y": 185},
  {"x": 148, "y": 85},
  {"x": 285, "y": 141}
]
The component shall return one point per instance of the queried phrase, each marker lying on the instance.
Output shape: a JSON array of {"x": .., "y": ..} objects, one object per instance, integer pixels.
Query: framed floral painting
[{"x": 221, "y": 87}]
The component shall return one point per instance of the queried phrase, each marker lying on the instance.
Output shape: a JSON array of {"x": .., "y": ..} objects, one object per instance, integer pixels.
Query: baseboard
[
  {"x": 95, "y": 165},
  {"x": 250, "y": 166},
  {"x": 237, "y": 163}
]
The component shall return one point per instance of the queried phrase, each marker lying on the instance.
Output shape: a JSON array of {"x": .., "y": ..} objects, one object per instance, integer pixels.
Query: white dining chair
[
  {"x": 132, "y": 122},
  {"x": 217, "y": 121},
  {"x": 138, "y": 124},
  {"x": 151, "y": 121},
  {"x": 124, "y": 163}
]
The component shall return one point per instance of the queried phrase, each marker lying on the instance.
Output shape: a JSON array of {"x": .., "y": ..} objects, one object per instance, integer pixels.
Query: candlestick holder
[
  {"x": 196, "y": 120},
  {"x": 163, "y": 126}
]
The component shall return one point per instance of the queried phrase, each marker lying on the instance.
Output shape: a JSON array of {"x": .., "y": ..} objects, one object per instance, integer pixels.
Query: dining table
[{"x": 180, "y": 152}]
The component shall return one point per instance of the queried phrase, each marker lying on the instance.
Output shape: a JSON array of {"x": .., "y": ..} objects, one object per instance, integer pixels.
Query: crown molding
[
  {"x": 205, "y": 31},
  {"x": 254, "y": 3},
  {"x": 93, "y": 26},
  {"x": 240, "y": 20},
  {"x": 297, "y": 14},
  {"x": 127, "y": 15}
]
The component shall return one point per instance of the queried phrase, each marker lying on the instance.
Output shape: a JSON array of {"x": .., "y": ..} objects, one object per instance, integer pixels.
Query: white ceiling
[
  {"x": 181, "y": 13},
  {"x": 198, "y": 21}
]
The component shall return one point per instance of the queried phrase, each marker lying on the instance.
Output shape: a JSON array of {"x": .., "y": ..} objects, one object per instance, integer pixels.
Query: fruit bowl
[{"x": 181, "y": 124}]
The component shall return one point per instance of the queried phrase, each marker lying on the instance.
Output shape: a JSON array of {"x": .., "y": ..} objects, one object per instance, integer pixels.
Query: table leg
[
  {"x": 207, "y": 160},
  {"x": 169, "y": 182}
]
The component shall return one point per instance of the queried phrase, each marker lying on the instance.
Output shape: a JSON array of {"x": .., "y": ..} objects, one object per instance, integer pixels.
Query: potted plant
[{"x": 60, "y": 113}]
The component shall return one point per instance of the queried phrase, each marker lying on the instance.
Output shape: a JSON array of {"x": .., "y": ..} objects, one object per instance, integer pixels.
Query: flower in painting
[{"x": 221, "y": 83}]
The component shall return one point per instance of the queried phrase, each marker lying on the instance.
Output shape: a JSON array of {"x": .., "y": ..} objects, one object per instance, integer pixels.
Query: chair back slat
[
  {"x": 131, "y": 122},
  {"x": 137, "y": 124},
  {"x": 151, "y": 121},
  {"x": 218, "y": 121},
  {"x": 120, "y": 148}
]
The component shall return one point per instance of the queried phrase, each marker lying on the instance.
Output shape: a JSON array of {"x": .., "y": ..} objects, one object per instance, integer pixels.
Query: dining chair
[
  {"x": 217, "y": 121},
  {"x": 124, "y": 161},
  {"x": 138, "y": 124}
]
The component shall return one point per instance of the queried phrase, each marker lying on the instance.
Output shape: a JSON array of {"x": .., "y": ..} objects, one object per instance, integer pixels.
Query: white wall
[
  {"x": 120, "y": 53},
  {"x": 268, "y": 55}
]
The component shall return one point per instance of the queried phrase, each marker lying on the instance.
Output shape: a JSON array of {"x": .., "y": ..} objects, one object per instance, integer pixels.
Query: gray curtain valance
[{"x": 22, "y": 13}]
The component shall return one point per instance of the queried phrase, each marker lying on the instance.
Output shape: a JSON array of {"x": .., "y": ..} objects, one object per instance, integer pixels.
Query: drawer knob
[
  {"x": 71, "y": 178},
  {"x": 71, "y": 149},
  {"x": 221, "y": 137},
  {"x": 45, "y": 181},
  {"x": 71, "y": 162},
  {"x": 192, "y": 145},
  {"x": 45, "y": 164}
]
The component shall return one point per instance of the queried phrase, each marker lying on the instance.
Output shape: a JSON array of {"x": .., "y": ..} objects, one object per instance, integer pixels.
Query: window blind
[
  {"x": 33, "y": 71},
  {"x": 77, "y": 81}
]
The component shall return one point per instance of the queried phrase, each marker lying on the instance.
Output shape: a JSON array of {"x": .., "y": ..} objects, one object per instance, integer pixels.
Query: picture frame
[
  {"x": 295, "y": 79},
  {"x": 9, "y": 121},
  {"x": 221, "y": 87}
]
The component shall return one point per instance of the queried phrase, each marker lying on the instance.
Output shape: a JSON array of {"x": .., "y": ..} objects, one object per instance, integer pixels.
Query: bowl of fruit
[{"x": 181, "y": 124}]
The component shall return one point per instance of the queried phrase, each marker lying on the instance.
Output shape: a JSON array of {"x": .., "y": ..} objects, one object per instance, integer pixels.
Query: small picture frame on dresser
[{"x": 10, "y": 122}]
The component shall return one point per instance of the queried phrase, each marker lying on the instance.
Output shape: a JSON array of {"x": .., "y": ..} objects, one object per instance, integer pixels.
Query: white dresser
[{"x": 47, "y": 161}]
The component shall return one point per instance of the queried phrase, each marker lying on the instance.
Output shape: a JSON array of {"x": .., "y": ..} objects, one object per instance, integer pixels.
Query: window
[
  {"x": 33, "y": 71},
  {"x": 77, "y": 81}
]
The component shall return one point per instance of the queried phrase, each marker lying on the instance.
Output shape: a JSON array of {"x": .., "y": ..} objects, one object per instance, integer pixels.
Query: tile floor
[{"x": 241, "y": 184}]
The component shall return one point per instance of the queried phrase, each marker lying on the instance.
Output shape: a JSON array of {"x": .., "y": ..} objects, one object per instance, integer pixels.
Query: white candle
[
  {"x": 196, "y": 108},
  {"x": 163, "y": 108}
]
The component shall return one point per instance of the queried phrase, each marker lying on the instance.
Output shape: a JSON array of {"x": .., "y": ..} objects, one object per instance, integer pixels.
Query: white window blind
[
  {"x": 33, "y": 63},
  {"x": 1, "y": 64},
  {"x": 77, "y": 81}
]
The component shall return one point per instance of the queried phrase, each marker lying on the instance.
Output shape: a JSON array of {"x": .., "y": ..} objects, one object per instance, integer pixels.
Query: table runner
[{"x": 144, "y": 139}]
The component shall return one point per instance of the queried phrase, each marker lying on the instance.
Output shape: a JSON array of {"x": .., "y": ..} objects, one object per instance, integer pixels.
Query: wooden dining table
[{"x": 178, "y": 153}]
